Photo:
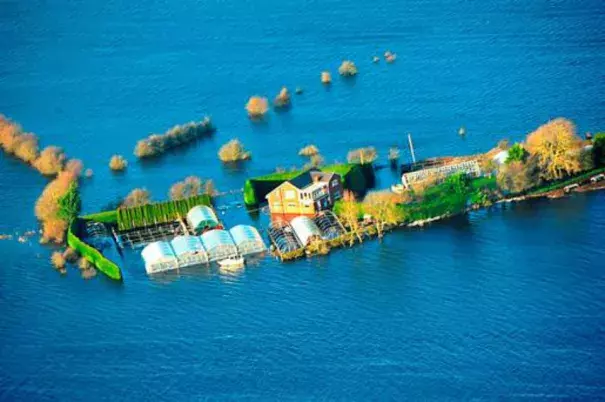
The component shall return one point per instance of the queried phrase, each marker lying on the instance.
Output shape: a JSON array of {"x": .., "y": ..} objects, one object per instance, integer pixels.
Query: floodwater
[{"x": 500, "y": 304}]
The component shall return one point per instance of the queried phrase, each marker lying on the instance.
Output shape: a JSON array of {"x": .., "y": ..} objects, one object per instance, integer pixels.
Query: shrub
[
  {"x": 157, "y": 144},
  {"x": 326, "y": 77},
  {"x": 89, "y": 273},
  {"x": 516, "y": 176},
  {"x": 503, "y": 145},
  {"x": 74, "y": 166},
  {"x": 308, "y": 150},
  {"x": 282, "y": 100},
  {"x": 598, "y": 149},
  {"x": 51, "y": 161},
  {"x": 190, "y": 187},
  {"x": 347, "y": 69},
  {"x": 70, "y": 255},
  {"x": 138, "y": 196},
  {"x": 84, "y": 264},
  {"x": 117, "y": 163},
  {"x": 257, "y": 106},
  {"x": 58, "y": 260},
  {"x": 516, "y": 153},
  {"x": 26, "y": 147},
  {"x": 233, "y": 151},
  {"x": 362, "y": 155},
  {"x": 9, "y": 133},
  {"x": 58, "y": 203}
]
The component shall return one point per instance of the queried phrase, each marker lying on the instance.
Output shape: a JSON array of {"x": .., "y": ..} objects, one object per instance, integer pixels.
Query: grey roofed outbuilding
[
  {"x": 247, "y": 239},
  {"x": 218, "y": 244},
  {"x": 202, "y": 217},
  {"x": 189, "y": 250}
]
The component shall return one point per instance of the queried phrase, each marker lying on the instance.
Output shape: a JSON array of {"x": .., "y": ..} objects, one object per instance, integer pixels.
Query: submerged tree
[
  {"x": 308, "y": 150},
  {"x": 347, "y": 69},
  {"x": 233, "y": 151},
  {"x": 362, "y": 155},
  {"x": 257, "y": 106},
  {"x": 282, "y": 100},
  {"x": 117, "y": 163},
  {"x": 138, "y": 196}
]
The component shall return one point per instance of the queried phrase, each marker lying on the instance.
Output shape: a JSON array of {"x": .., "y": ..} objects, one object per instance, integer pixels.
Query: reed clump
[
  {"x": 233, "y": 151},
  {"x": 179, "y": 135},
  {"x": 118, "y": 163}
]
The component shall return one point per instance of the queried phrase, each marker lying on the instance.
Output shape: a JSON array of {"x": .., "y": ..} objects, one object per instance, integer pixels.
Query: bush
[
  {"x": 84, "y": 264},
  {"x": 233, "y": 151},
  {"x": 308, "y": 150},
  {"x": 9, "y": 133},
  {"x": 347, "y": 69},
  {"x": 282, "y": 100},
  {"x": 117, "y": 163},
  {"x": 190, "y": 187},
  {"x": 70, "y": 255},
  {"x": 58, "y": 203},
  {"x": 257, "y": 106},
  {"x": 26, "y": 147},
  {"x": 138, "y": 196},
  {"x": 326, "y": 77},
  {"x": 362, "y": 155},
  {"x": 58, "y": 260},
  {"x": 516, "y": 153},
  {"x": 157, "y": 144},
  {"x": 51, "y": 161}
]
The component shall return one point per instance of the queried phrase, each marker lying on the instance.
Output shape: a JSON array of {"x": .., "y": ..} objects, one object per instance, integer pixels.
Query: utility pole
[{"x": 411, "y": 148}]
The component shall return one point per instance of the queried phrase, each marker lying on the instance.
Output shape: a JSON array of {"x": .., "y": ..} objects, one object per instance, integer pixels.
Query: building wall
[{"x": 286, "y": 200}]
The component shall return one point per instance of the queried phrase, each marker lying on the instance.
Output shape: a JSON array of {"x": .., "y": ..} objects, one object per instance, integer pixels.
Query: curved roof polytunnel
[
  {"x": 247, "y": 239},
  {"x": 305, "y": 229},
  {"x": 159, "y": 256},
  {"x": 218, "y": 244},
  {"x": 189, "y": 249},
  {"x": 201, "y": 217}
]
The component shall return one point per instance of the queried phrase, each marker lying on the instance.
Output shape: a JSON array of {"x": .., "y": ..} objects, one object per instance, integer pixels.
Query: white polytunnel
[
  {"x": 202, "y": 217},
  {"x": 305, "y": 229},
  {"x": 218, "y": 244},
  {"x": 189, "y": 250},
  {"x": 247, "y": 239},
  {"x": 158, "y": 257}
]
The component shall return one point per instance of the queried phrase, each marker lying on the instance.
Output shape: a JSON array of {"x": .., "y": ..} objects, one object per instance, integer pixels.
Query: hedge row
[
  {"x": 161, "y": 212},
  {"x": 93, "y": 255}
]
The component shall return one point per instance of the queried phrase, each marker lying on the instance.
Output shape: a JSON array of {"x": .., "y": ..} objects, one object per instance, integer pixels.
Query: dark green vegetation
[
  {"x": 161, "y": 212},
  {"x": 357, "y": 178},
  {"x": 70, "y": 203},
  {"x": 517, "y": 153},
  {"x": 598, "y": 150},
  {"x": 558, "y": 184},
  {"x": 450, "y": 197}
]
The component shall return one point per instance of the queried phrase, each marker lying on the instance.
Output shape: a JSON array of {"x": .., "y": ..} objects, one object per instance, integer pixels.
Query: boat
[
  {"x": 234, "y": 261},
  {"x": 397, "y": 188}
]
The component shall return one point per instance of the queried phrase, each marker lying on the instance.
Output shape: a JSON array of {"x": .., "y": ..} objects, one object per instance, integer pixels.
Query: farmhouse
[{"x": 306, "y": 194}]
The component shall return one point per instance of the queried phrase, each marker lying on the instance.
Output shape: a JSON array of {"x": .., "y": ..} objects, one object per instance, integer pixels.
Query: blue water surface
[{"x": 500, "y": 304}]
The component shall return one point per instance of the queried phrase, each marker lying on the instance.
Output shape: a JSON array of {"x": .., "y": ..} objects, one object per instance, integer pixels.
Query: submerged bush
[
  {"x": 117, "y": 163},
  {"x": 257, "y": 106},
  {"x": 326, "y": 77},
  {"x": 26, "y": 147},
  {"x": 347, "y": 69},
  {"x": 282, "y": 100},
  {"x": 138, "y": 196},
  {"x": 308, "y": 150},
  {"x": 233, "y": 151},
  {"x": 58, "y": 260},
  {"x": 189, "y": 187},
  {"x": 70, "y": 255},
  {"x": 57, "y": 205},
  {"x": 362, "y": 155},
  {"x": 157, "y": 144},
  {"x": 51, "y": 161}
]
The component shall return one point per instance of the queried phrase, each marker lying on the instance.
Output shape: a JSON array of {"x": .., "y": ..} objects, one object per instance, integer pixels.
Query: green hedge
[
  {"x": 161, "y": 212},
  {"x": 104, "y": 217},
  {"x": 357, "y": 178},
  {"x": 565, "y": 182},
  {"x": 90, "y": 253}
]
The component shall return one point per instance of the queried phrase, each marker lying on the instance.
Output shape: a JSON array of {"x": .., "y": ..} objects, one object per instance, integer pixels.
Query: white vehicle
[
  {"x": 568, "y": 189},
  {"x": 597, "y": 178}
]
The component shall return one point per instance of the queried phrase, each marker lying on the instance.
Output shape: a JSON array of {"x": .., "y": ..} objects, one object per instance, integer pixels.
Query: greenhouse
[
  {"x": 201, "y": 217},
  {"x": 158, "y": 257},
  {"x": 305, "y": 229},
  {"x": 218, "y": 244},
  {"x": 247, "y": 239},
  {"x": 189, "y": 250},
  {"x": 330, "y": 226},
  {"x": 283, "y": 237}
]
